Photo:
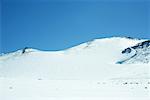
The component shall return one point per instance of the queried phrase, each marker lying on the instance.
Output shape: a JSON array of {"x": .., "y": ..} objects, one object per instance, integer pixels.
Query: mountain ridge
[
  {"x": 125, "y": 44},
  {"x": 93, "y": 60},
  {"x": 88, "y": 42}
]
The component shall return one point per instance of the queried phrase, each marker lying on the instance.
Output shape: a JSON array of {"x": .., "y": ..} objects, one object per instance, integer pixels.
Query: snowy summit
[
  {"x": 118, "y": 59},
  {"x": 90, "y": 57}
]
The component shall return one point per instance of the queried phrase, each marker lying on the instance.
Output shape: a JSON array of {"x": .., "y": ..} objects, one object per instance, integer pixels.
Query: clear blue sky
[{"x": 59, "y": 24}]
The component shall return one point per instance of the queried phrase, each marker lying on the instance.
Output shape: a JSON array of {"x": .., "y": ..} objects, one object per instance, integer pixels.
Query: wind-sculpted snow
[
  {"x": 88, "y": 70},
  {"x": 127, "y": 54},
  {"x": 141, "y": 53},
  {"x": 97, "y": 57}
]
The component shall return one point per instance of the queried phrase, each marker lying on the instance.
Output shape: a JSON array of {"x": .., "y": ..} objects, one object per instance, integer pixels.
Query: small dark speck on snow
[
  {"x": 10, "y": 87},
  {"x": 145, "y": 87},
  {"x": 39, "y": 79},
  {"x": 125, "y": 83},
  {"x": 98, "y": 82}
]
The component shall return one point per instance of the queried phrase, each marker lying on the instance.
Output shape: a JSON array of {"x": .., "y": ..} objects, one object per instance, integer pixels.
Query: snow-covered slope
[
  {"x": 114, "y": 62},
  {"x": 91, "y": 57},
  {"x": 140, "y": 53}
]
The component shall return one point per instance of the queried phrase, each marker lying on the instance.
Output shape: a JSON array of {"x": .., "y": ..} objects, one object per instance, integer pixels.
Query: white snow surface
[{"x": 87, "y": 71}]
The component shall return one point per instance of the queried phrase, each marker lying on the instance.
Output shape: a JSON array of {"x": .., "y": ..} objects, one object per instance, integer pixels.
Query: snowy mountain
[
  {"x": 140, "y": 53},
  {"x": 102, "y": 64}
]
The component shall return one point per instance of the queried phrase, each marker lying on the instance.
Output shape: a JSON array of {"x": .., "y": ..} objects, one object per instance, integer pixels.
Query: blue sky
[{"x": 60, "y": 24}]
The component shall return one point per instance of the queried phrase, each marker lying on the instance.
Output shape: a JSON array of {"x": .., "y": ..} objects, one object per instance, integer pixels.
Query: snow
[
  {"x": 127, "y": 56},
  {"x": 87, "y": 71}
]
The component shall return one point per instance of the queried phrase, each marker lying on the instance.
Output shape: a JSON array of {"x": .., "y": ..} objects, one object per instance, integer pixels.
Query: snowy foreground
[{"x": 89, "y": 71}]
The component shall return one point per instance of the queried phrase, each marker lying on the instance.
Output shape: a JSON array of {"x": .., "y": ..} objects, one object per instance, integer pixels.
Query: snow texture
[{"x": 103, "y": 69}]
